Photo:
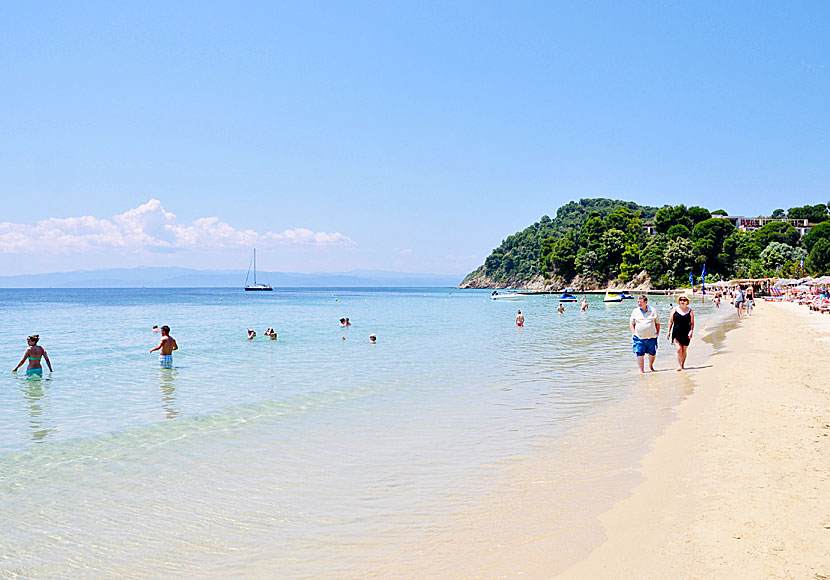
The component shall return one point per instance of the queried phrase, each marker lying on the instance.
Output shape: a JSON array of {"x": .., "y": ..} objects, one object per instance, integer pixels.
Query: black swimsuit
[{"x": 681, "y": 326}]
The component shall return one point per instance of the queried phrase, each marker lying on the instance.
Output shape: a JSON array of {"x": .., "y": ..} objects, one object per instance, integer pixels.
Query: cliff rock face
[{"x": 479, "y": 279}]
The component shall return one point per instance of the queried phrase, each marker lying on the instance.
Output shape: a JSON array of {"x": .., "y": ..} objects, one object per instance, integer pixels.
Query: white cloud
[
  {"x": 404, "y": 251},
  {"x": 149, "y": 226}
]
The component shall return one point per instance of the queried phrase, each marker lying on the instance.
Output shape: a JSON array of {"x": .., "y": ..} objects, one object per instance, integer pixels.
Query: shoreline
[{"x": 737, "y": 486}]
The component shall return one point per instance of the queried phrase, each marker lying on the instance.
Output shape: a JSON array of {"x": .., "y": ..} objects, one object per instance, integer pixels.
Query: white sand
[{"x": 739, "y": 486}]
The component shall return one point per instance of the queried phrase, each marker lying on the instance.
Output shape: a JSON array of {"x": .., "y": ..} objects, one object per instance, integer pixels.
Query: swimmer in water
[
  {"x": 156, "y": 328},
  {"x": 561, "y": 308},
  {"x": 342, "y": 322},
  {"x": 584, "y": 305},
  {"x": 33, "y": 354},
  {"x": 520, "y": 318},
  {"x": 373, "y": 339},
  {"x": 251, "y": 334},
  {"x": 347, "y": 322},
  {"x": 271, "y": 333}
]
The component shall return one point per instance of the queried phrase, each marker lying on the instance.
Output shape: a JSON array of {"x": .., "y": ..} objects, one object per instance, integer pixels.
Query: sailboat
[{"x": 255, "y": 286}]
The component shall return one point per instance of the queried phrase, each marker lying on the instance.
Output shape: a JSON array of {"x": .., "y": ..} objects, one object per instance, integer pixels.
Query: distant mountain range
[{"x": 189, "y": 278}]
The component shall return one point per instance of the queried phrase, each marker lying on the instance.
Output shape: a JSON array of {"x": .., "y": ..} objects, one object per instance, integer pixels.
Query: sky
[{"x": 407, "y": 136}]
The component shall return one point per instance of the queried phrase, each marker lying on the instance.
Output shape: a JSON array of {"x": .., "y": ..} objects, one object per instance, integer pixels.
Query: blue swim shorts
[
  {"x": 643, "y": 346},
  {"x": 166, "y": 361},
  {"x": 34, "y": 372}
]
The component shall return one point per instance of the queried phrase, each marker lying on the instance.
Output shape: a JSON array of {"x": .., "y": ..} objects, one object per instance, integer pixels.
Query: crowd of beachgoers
[{"x": 814, "y": 293}]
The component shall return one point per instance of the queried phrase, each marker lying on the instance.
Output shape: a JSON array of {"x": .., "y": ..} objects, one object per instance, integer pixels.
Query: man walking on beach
[
  {"x": 645, "y": 328},
  {"x": 167, "y": 345}
]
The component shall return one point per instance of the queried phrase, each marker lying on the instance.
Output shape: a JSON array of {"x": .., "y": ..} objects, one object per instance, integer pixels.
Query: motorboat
[
  {"x": 625, "y": 296},
  {"x": 567, "y": 297},
  {"x": 612, "y": 297},
  {"x": 496, "y": 295}
]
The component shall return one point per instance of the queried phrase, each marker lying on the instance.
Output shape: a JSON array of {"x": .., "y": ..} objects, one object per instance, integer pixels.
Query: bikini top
[{"x": 35, "y": 357}]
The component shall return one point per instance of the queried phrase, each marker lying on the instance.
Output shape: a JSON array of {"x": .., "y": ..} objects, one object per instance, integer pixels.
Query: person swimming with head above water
[
  {"x": 271, "y": 333},
  {"x": 520, "y": 318},
  {"x": 34, "y": 354},
  {"x": 373, "y": 339},
  {"x": 251, "y": 333}
]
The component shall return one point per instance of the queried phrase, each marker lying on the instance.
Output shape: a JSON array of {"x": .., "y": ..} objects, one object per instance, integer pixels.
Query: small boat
[
  {"x": 625, "y": 296},
  {"x": 496, "y": 295},
  {"x": 612, "y": 297},
  {"x": 255, "y": 286},
  {"x": 567, "y": 297}
]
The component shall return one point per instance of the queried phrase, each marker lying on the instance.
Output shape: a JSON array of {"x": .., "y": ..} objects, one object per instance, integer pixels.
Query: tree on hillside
[
  {"x": 740, "y": 251},
  {"x": 626, "y": 221},
  {"x": 560, "y": 255},
  {"x": 679, "y": 231},
  {"x": 778, "y": 214},
  {"x": 670, "y": 215},
  {"x": 819, "y": 260},
  {"x": 590, "y": 236},
  {"x": 652, "y": 259},
  {"x": 588, "y": 263},
  {"x": 776, "y": 255},
  {"x": 679, "y": 259},
  {"x": 698, "y": 214},
  {"x": 630, "y": 266},
  {"x": 614, "y": 242},
  {"x": 816, "y": 233},
  {"x": 709, "y": 237},
  {"x": 813, "y": 213},
  {"x": 776, "y": 232}
]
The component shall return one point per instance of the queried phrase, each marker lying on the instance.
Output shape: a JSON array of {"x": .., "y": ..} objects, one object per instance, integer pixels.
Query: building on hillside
[{"x": 748, "y": 224}]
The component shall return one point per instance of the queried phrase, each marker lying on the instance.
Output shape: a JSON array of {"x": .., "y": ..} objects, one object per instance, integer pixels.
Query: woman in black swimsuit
[{"x": 681, "y": 327}]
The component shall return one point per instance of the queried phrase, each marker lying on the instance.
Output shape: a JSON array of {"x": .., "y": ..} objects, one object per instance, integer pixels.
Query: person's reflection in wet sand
[
  {"x": 167, "y": 384},
  {"x": 36, "y": 396}
]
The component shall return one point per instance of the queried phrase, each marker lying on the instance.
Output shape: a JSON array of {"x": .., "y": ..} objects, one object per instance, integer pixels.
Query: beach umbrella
[{"x": 802, "y": 288}]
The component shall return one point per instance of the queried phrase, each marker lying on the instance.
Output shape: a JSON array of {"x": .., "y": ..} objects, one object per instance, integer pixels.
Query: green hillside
[{"x": 603, "y": 240}]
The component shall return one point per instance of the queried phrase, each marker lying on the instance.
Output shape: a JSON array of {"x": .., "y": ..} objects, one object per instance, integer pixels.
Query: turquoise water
[{"x": 306, "y": 457}]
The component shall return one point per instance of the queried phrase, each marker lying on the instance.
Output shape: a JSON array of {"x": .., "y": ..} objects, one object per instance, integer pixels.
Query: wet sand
[{"x": 739, "y": 486}]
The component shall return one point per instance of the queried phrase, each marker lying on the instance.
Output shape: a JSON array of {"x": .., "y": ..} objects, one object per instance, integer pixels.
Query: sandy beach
[{"x": 739, "y": 485}]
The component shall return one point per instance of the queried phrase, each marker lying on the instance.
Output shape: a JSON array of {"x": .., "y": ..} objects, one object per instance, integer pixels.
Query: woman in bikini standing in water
[{"x": 34, "y": 353}]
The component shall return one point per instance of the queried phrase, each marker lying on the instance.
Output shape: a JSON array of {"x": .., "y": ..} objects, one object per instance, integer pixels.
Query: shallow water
[{"x": 313, "y": 456}]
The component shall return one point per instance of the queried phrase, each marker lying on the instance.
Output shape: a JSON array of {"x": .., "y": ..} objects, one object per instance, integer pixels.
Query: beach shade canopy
[
  {"x": 801, "y": 288},
  {"x": 719, "y": 284},
  {"x": 819, "y": 281}
]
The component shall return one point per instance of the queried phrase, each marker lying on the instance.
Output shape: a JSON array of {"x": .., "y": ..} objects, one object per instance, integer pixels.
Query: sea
[{"x": 457, "y": 446}]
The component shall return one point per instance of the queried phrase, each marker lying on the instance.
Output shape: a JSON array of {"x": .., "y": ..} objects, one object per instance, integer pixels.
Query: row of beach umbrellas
[{"x": 804, "y": 283}]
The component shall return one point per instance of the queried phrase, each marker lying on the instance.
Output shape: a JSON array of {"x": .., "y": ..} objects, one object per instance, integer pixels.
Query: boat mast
[{"x": 254, "y": 266}]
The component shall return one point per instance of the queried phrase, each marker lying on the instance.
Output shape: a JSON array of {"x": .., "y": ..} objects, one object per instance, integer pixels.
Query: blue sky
[{"x": 410, "y": 136}]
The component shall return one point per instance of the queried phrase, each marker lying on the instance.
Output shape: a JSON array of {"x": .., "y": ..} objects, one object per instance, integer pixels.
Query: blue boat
[{"x": 567, "y": 297}]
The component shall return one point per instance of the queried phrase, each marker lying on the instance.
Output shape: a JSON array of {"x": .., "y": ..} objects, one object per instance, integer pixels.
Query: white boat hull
[{"x": 507, "y": 297}]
